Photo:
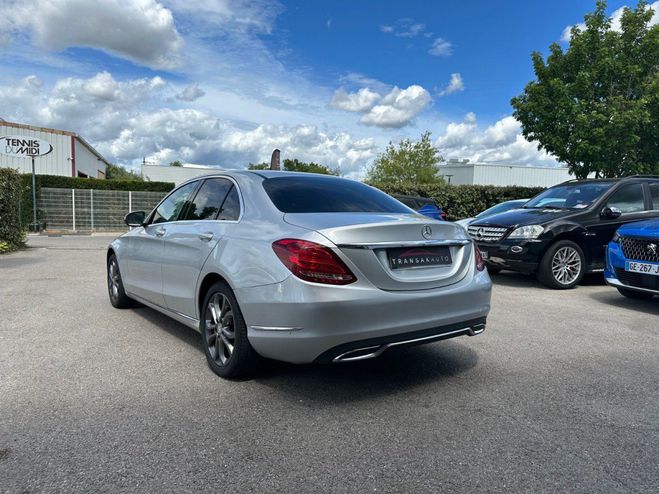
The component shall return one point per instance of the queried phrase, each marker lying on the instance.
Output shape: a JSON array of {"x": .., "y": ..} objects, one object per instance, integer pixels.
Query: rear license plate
[
  {"x": 418, "y": 257},
  {"x": 642, "y": 267}
]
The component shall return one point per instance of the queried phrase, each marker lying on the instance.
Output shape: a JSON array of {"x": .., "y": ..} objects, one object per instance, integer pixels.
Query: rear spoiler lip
[{"x": 412, "y": 243}]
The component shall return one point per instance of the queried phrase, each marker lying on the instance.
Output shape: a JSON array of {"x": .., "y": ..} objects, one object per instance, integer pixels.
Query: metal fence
[{"x": 92, "y": 210}]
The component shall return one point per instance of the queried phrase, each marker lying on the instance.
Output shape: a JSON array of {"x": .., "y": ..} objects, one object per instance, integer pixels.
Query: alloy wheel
[
  {"x": 113, "y": 278},
  {"x": 566, "y": 265},
  {"x": 219, "y": 328}
]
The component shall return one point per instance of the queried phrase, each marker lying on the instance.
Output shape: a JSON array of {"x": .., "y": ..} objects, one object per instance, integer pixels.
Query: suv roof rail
[{"x": 642, "y": 176}]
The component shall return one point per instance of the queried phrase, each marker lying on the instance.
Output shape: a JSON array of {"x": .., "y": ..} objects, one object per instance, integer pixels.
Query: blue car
[
  {"x": 423, "y": 205},
  {"x": 632, "y": 260}
]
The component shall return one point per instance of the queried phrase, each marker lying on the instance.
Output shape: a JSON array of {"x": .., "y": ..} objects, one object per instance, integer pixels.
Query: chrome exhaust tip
[
  {"x": 361, "y": 354},
  {"x": 476, "y": 329}
]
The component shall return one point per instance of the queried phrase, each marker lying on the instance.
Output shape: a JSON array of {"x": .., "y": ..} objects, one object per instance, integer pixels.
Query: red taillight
[
  {"x": 313, "y": 262},
  {"x": 480, "y": 264}
]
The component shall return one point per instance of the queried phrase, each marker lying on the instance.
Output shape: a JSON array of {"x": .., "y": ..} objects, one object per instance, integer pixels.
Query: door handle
[
  {"x": 160, "y": 232},
  {"x": 206, "y": 237}
]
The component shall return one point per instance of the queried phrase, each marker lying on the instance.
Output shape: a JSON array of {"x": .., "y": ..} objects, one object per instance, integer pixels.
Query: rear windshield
[{"x": 318, "y": 194}]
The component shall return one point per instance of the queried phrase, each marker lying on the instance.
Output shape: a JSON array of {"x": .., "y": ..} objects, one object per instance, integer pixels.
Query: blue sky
[{"x": 223, "y": 82}]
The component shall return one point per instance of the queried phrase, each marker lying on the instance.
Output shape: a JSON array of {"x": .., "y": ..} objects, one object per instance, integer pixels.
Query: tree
[
  {"x": 116, "y": 172},
  {"x": 176, "y": 163},
  {"x": 412, "y": 162},
  {"x": 296, "y": 165},
  {"x": 595, "y": 106}
]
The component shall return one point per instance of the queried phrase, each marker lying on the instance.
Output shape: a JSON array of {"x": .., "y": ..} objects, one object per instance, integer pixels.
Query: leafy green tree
[
  {"x": 116, "y": 172},
  {"x": 411, "y": 162},
  {"x": 176, "y": 163},
  {"x": 595, "y": 106},
  {"x": 296, "y": 165}
]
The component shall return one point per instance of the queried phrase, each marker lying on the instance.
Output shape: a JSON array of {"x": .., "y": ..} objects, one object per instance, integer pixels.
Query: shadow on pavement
[
  {"x": 614, "y": 299},
  {"x": 519, "y": 280},
  {"x": 514, "y": 279},
  {"x": 174, "y": 328},
  {"x": 395, "y": 371}
]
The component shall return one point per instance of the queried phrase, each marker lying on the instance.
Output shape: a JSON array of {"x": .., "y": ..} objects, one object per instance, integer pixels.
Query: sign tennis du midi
[{"x": 24, "y": 147}]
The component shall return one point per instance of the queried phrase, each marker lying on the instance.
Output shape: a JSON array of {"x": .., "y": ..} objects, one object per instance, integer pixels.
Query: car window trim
[
  {"x": 197, "y": 190},
  {"x": 622, "y": 185},
  {"x": 149, "y": 221},
  {"x": 231, "y": 179},
  {"x": 651, "y": 203},
  {"x": 217, "y": 215},
  {"x": 185, "y": 209}
]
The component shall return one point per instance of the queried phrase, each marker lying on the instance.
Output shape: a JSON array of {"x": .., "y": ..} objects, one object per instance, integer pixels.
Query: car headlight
[{"x": 527, "y": 232}]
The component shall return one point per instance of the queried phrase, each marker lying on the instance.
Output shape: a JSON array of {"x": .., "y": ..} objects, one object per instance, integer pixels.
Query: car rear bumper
[{"x": 302, "y": 322}]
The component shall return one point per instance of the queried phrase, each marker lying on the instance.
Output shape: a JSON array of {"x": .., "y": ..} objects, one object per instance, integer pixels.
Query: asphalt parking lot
[{"x": 560, "y": 394}]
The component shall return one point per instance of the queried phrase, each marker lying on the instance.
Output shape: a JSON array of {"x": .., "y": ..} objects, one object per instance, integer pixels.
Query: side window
[
  {"x": 654, "y": 193},
  {"x": 231, "y": 208},
  {"x": 170, "y": 208},
  {"x": 208, "y": 200},
  {"x": 628, "y": 199}
]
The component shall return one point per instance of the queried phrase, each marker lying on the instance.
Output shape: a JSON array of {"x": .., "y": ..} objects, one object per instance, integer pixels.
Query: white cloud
[
  {"x": 501, "y": 142},
  {"x": 191, "y": 93},
  {"x": 455, "y": 85},
  {"x": 616, "y": 17},
  {"x": 404, "y": 28},
  {"x": 361, "y": 101},
  {"x": 127, "y": 120},
  {"x": 441, "y": 48},
  {"x": 230, "y": 15},
  {"x": 398, "y": 107},
  {"x": 140, "y": 30},
  {"x": 361, "y": 80}
]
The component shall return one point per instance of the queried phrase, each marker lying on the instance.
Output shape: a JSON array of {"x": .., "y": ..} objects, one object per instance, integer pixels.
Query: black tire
[
  {"x": 563, "y": 265},
  {"x": 493, "y": 270},
  {"x": 228, "y": 351},
  {"x": 634, "y": 294},
  {"x": 118, "y": 297}
]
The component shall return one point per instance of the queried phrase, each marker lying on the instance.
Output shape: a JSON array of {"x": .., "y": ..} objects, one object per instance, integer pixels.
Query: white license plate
[
  {"x": 485, "y": 255},
  {"x": 642, "y": 267}
]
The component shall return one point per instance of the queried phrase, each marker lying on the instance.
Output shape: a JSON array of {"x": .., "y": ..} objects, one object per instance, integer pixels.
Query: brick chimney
[{"x": 274, "y": 161}]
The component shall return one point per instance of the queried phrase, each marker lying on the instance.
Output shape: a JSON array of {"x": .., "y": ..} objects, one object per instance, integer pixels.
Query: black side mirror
[
  {"x": 135, "y": 218},
  {"x": 610, "y": 213}
]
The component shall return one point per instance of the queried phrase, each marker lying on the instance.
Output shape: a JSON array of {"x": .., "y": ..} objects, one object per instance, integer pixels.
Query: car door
[
  {"x": 189, "y": 241},
  {"x": 141, "y": 261},
  {"x": 630, "y": 199}
]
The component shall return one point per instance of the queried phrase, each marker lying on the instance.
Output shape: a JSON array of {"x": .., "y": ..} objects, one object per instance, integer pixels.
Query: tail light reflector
[
  {"x": 480, "y": 264},
  {"x": 310, "y": 261}
]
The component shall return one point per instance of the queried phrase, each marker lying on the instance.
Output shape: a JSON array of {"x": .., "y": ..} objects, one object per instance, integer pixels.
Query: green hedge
[
  {"x": 59, "y": 182},
  {"x": 462, "y": 201},
  {"x": 12, "y": 235},
  {"x": 56, "y": 181}
]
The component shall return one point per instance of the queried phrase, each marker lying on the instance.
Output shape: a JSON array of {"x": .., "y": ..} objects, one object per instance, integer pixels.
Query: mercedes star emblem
[{"x": 426, "y": 231}]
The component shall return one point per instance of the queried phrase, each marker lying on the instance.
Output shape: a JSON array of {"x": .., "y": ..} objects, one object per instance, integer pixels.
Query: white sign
[{"x": 24, "y": 147}]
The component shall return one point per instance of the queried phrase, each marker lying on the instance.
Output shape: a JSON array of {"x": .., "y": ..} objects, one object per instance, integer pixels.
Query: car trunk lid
[{"x": 395, "y": 251}]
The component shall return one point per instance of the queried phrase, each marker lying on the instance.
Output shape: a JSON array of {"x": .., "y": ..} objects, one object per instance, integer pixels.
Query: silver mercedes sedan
[{"x": 298, "y": 267}]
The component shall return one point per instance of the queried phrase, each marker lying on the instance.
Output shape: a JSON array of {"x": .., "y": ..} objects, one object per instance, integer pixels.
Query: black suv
[{"x": 563, "y": 232}]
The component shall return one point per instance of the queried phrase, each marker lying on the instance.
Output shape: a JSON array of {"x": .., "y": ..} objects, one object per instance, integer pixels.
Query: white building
[
  {"x": 56, "y": 152},
  {"x": 176, "y": 174},
  {"x": 465, "y": 173}
]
